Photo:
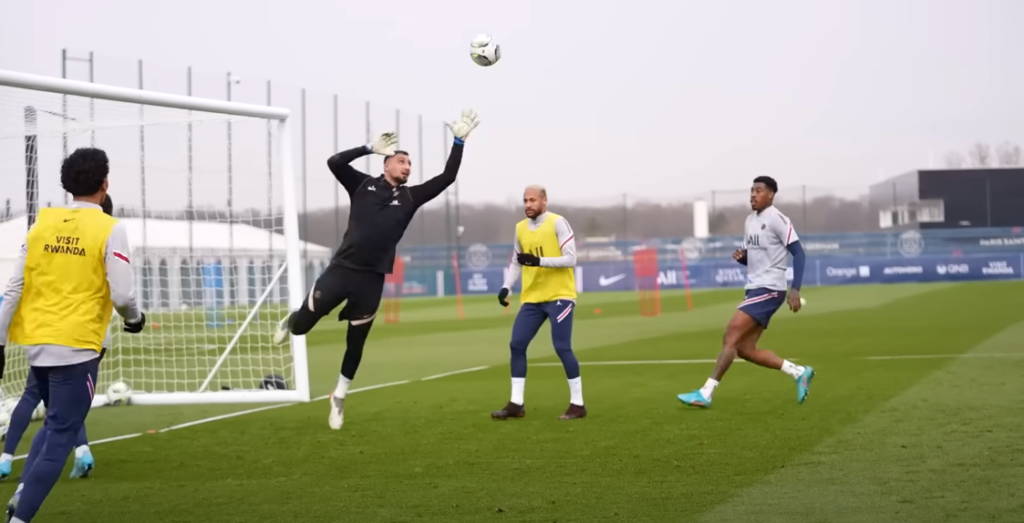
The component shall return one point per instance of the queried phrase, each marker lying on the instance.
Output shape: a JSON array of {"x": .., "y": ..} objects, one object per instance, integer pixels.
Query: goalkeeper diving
[
  {"x": 380, "y": 212},
  {"x": 30, "y": 399}
]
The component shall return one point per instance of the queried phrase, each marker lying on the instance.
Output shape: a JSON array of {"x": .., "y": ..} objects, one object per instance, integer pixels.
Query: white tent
[{"x": 168, "y": 256}]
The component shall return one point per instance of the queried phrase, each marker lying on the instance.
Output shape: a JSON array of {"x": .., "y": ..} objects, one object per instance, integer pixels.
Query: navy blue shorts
[{"x": 761, "y": 304}]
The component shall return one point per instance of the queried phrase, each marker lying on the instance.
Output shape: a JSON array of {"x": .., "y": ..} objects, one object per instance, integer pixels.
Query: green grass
[{"x": 928, "y": 439}]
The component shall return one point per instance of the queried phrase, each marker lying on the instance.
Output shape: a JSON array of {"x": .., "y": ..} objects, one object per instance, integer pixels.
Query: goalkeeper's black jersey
[{"x": 381, "y": 212}]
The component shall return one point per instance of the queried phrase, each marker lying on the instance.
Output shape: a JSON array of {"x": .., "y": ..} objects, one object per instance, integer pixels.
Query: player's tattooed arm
[
  {"x": 432, "y": 188},
  {"x": 349, "y": 177}
]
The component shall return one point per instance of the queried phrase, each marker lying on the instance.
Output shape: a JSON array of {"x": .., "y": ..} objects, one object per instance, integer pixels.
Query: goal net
[{"x": 205, "y": 189}]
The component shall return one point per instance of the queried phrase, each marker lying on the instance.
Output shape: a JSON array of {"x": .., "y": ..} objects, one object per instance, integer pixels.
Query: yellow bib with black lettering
[
  {"x": 66, "y": 298},
  {"x": 544, "y": 284}
]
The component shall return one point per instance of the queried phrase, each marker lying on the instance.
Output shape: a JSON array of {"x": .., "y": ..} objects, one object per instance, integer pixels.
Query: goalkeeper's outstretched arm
[
  {"x": 432, "y": 188},
  {"x": 349, "y": 176}
]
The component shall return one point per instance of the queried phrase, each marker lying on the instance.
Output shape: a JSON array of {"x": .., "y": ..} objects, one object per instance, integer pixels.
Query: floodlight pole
[
  {"x": 191, "y": 202},
  {"x": 31, "y": 166},
  {"x": 64, "y": 59},
  {"x": 337, "y": 202}
]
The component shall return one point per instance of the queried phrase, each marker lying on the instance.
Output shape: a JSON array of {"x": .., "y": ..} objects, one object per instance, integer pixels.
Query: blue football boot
[
  {"x": 803, "y": 384},
  {"x": 695, "y": 399},
  {"x": 83, "y": 466},
  {"x": 5, "y": 469}
]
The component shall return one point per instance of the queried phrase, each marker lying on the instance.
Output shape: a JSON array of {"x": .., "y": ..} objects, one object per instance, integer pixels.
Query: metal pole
[
  {"x": 419, "y": 154},
  {"x": 337, "y": 198},
  {"x": 231, "y": 188},
  {"x": 92, "y": 104},
  {"x": 305, "y": 209},
  {"x": 447, "y": 204},
  {"x": 625, "y": 216},
  {"x": 804, "y": 225},
  {"x": 268, "y": 263},
  {"x": 31, "y": 166},
  {"x": 64, "y": 109},
  {"x": 142, "y": 174},
  {"x": 369, "y": 138},
  {"x": 191, "y": 202}
]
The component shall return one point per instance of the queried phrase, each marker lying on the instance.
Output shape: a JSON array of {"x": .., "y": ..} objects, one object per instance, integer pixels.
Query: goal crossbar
[
  {"x": 290, "y": 226},
  {"x": 137, "y": 96}
]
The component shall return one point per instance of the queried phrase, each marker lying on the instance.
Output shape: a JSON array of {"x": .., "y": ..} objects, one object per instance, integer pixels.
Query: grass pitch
[{"x": 915, "y": 416}]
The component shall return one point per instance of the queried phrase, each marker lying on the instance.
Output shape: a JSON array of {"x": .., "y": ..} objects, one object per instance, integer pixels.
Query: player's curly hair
[
  {"x": 768, "y": 182},
  {"x": 107, "y": 205},
  {"x": 83, "y": 172}
]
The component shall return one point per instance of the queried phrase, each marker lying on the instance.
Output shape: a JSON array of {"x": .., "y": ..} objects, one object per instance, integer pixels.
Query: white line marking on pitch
[
  {"x": 933, "y": 356},
  {"x": 452, "y": 373},
  {"x": 261, "y": 409}
]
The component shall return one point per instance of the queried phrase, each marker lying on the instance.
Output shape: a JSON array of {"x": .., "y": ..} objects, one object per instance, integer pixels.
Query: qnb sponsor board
[{"x": 921, "y": 269}]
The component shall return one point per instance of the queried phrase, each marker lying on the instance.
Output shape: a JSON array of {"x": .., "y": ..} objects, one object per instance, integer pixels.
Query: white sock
[
  {"x": 17, "y": 520},
  {"x": 576, "y": 391},
  {"x": 709, "y": 388},
  {"x": 342, "y": 389},
  {"x": 518, "y": 390},
  {"x": 792, "y": 369},
  {"x": 6, "y": 457},
  {"x": 80, "y": 451}
]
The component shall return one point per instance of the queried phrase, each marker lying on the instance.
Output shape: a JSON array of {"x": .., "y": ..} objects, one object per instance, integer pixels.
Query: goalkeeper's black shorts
[{"x": 359, "y": 291}]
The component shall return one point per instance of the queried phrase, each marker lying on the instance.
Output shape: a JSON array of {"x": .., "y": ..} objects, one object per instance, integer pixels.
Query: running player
[
  {"x": 74, "y": 271},
  {"x": 546, "y": 256},
  {"x": 768, "y": 241},
  {"x": 30, "y": 398},
  {"x": 381, "y": 210}
]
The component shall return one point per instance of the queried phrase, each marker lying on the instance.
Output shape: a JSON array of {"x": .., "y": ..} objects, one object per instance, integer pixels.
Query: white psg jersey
[{"x": 766, "y": 237}]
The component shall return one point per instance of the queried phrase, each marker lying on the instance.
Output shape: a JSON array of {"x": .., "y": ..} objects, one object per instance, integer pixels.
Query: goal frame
[{"x": 293, "y": 261}]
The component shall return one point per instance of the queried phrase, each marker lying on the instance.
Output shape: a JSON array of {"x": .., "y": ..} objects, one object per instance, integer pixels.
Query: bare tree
[
  {"x": 1008, "y": 154},
  {"x": 980, "y": 155},
  {"x": 955, "y": 160}
]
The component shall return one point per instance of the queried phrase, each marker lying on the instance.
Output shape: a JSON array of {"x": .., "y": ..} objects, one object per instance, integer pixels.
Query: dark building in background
[{"x": 950, "y": 198}]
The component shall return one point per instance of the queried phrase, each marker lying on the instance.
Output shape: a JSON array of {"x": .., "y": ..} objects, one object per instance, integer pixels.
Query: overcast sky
[{"x": 658, "y": 99}]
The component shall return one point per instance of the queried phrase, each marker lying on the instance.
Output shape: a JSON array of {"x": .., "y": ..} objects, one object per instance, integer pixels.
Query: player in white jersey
[{"x": 768, "y": 240}]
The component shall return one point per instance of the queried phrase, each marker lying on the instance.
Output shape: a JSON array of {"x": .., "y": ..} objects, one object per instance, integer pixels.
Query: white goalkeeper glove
[
  {"x": 384, "y": 144},
  {"x": 461, "y": 128}
]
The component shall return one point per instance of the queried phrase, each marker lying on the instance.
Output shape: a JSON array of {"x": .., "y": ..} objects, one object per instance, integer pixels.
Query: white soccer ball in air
[
  {"x": 484, "y": 50},
  {"x": 119, "y": 393}
]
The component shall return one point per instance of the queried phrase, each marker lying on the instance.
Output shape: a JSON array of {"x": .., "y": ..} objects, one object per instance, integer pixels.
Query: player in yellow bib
[
  {"x": 74, "y": 270},
  {"x": 545, "y": 255}
]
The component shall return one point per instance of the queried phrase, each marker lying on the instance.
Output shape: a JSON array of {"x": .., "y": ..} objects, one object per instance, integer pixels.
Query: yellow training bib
[
  {"x": 544, "y": 284},
  {"x": 66, "y": 298}
]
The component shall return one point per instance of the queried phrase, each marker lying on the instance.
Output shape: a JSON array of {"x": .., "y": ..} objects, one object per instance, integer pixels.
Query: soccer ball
[
  {"x": 484, "y": 50},
  {"x": 119, "y": 393},
  {"x": 39, "y": 412}
]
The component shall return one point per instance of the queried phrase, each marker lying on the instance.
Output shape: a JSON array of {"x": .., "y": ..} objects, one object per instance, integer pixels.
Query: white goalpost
[{"x": 207, "y": 192}]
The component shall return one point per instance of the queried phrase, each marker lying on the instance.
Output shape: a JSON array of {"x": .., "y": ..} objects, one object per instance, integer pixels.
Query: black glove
[
  {"x": 502, "y": 295},
  {"x": 135, "y": 328},
  {"x": 3, "y": 361},
  {"x": 527, "y": 260}
]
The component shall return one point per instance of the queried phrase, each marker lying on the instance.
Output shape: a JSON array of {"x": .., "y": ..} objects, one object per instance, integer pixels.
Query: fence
[{"x": 834, "y": 222}]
